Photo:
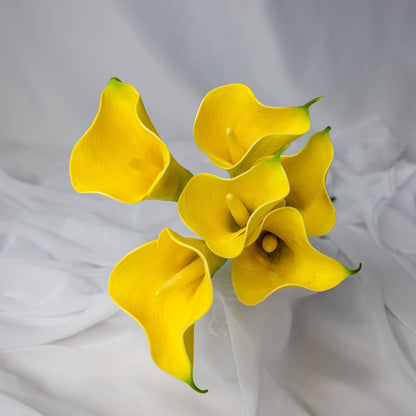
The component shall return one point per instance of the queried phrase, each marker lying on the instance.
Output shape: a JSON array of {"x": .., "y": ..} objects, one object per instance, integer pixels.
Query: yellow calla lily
[
  {"x": 282, "y": 256},
  {"x": 307, "y": 171},
  {"x": 235, "y": 130},
  {"x": 166, "y": 286},
  {"x": 227, "y": 213},
  {"x": 121, "y": 154}
]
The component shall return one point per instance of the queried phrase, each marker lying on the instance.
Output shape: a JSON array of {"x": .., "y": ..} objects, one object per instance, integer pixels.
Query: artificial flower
[
  {"x": 227, "y": 213},
  {"x": 235, "y": 130},
  {"x": 122, "y": 156},
  {"x": 166, "y": 286},
  {"x": 261, "y": 217},
  {"x": 282, "y": 256},
  {"x": 306, "y": 172}
]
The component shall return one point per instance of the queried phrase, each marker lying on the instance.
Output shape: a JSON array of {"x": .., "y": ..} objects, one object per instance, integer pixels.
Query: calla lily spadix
[
  {"x": 227, "y": 213},
  {"x": 235, "y": 130},
  {"x": 307, "y": 172},
  {"x": 166, "y": 286},
  {"x": 282, "y": 256},
  {"x": 122, "y": 156}
]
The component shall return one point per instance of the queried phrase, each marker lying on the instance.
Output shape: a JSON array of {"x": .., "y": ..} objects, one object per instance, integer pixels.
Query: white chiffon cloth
[{"x": 67, "y": 350}]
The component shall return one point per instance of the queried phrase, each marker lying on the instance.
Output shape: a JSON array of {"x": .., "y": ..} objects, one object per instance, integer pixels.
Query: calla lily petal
[
  {"x": 281, "y": 257},
  {"x": 227, "y": 213},
  {"x": 235, "y": 130},
  {"x": 121, "y": 154},
  {"x": 166, "y": 286},
  {"x": 307, "y": 171}
]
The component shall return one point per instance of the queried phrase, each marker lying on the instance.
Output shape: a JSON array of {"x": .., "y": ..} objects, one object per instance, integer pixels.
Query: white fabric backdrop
[{"x": 65, "y": 347}]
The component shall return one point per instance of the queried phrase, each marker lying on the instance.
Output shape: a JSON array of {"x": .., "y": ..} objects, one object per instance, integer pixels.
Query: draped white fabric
[{"x": 65, "y": 348}]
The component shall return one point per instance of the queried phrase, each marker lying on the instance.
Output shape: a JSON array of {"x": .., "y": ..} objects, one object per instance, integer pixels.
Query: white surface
[{"x": 65, "y": 347}]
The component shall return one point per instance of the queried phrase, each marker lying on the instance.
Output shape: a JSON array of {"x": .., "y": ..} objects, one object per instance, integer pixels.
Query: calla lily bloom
[
  {"x": 235, "y": 130},
  {"x": 166, "y": 286},
  {"x": 282, "y": 256},
  {"x": 227, "y": 213},
  {"x": 121, "y": 154},
  {"x": 307, "y": 171}
]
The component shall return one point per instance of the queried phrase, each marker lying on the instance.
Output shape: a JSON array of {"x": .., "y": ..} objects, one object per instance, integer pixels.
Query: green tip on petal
[
  {"x": 308, "y": 104},
  {"x": 115, "y": 82},
  {"x": 196, "y": 388},
  {"x": 355, "y": 271}
]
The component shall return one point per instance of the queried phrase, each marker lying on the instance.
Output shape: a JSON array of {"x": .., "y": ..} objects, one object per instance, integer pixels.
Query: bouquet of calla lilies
[{"x": 260, "y": 218}]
